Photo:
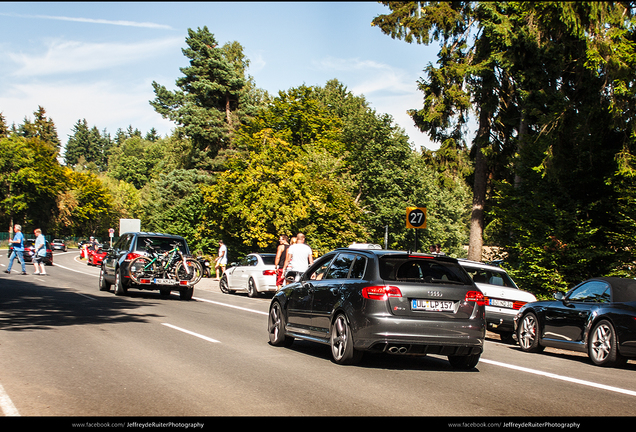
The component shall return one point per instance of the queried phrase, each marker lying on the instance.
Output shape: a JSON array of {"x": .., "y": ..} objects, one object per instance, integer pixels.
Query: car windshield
[
  {"x": 424, "y": 270},
  {"x": 490, "y": 276}
]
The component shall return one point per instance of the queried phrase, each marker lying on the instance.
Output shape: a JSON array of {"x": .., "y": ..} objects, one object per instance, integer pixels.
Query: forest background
[{"x": 548, "y": 178}]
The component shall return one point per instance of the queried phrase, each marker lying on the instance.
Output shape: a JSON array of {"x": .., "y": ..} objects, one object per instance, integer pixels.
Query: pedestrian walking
[
  {"x": 40, "y": 252},
  {"x": 18, "y": 249},
  {"x": 279, "y": 261},
  {"x": 221, "y": 261},
  {"x": 299, "y": 258}
]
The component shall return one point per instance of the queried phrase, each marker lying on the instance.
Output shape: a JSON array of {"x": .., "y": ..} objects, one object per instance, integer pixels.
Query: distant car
[
  {"x": 115, "y": 271},
  {"x": 29, "y": 251},
  {"x": 58, "y": 244},
  {"x": 371, "y": 300},
  {"x": 95, "y": 257},
  {"x": 254, "y": 274},
  {"x": 503, "y": 297},
  {"x": 597, "y": 316}
]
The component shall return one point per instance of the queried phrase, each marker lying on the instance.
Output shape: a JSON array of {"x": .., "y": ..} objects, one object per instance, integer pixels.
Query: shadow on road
[{"x": 28, "y": 306}]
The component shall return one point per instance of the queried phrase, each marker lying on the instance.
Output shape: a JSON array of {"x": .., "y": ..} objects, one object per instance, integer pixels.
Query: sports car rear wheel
[{"x": 602, "y": 347}]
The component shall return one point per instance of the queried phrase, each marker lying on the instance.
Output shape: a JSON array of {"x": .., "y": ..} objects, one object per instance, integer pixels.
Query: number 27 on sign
[{"x": 416, "y": 217}]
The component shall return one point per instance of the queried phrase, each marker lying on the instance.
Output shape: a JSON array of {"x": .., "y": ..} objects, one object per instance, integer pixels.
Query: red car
[{"x": 95, "y": 257}]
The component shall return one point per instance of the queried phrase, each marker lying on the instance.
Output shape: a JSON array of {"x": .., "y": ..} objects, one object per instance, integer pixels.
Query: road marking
[
  {"x": 84, "y": 295},
  {"x": 6, "y": 405},
  {"x": 560, "y": 377},
  {"x": 191, "y": 333},
  {"x": 231, "y": 306},
  {"x": 76, "y": 271}
]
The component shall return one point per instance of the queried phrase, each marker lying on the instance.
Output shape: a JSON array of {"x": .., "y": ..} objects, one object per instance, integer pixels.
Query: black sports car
[
  {"x": 383, "y": 301},
  {"x": 597, "y": 316}
]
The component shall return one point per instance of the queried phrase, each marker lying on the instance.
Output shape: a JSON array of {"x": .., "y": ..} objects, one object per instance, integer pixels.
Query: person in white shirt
[
  {"x": 299, "y": 258},
  {"x": 221, "y": 261}
]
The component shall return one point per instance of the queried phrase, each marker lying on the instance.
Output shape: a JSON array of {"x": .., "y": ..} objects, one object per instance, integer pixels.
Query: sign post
[{"x": 416, "y": 218}]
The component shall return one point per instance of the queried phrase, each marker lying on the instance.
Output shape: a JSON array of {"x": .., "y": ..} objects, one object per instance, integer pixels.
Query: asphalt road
[{"x": 68, "y": 349}]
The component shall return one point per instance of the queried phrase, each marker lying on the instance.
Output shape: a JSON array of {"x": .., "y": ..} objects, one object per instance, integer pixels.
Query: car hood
[{"x": 501, "y": 292}]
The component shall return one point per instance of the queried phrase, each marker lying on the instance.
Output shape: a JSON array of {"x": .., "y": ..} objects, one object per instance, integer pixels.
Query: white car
[
  {"x": 503, "y": 296},
  {"x": 255, "y": 274}
]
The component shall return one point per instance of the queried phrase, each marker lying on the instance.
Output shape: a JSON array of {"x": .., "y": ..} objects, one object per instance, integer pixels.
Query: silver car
[
  {"x": 503, "y": 296},
  {"x": 255, "y": 274}
]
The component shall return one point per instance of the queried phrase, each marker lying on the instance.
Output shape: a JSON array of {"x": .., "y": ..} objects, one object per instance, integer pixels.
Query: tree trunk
[{"x": 476, "y": 240}]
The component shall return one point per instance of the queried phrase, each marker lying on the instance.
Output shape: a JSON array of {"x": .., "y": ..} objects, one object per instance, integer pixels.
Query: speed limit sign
[{"x": 416, "y": 217}]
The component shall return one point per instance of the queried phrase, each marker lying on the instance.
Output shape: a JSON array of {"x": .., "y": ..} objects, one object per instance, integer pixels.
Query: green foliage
[
  {"x": 86, "y": 207},
  {"x": 41, "y": 127},
  {"x": 173, "y": 203},
  {"x": 277, "y": 188},
  {"x": 87, "y": 148},
  {"x": 208, "y": 104},
  {"x": 30, "y": 179},
  {"x": 553, "y": 86}
]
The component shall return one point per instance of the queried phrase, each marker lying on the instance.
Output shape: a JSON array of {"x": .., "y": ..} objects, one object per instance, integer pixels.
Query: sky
[{"x": 97, "y": 60}]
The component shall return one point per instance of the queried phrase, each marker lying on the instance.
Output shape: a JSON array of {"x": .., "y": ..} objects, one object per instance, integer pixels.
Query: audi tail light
[
  {"x": 380, "y": 292},
  {"x": 475, "y": 296}
]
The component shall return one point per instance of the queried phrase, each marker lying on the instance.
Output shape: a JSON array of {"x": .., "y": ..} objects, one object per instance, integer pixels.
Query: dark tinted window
[
  {"x": 359, "y": 265},
  {"x": 124, "y": 242},
  {"x": 340, "y": 266},
  {"x": 161, "y": 244},
  {"x": 268, "y": 259},
  {"x": 412, "y": 269}
]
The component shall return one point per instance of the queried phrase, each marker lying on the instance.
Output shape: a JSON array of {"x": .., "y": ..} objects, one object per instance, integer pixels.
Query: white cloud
[
  {"x": 63, "y": 56},
  {"x": 93, "y": 21},
  {"x": 105, "y": 104}
]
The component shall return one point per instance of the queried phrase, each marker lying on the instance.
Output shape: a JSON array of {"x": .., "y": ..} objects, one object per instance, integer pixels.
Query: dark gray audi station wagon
[{"x": 383, "y": 301}]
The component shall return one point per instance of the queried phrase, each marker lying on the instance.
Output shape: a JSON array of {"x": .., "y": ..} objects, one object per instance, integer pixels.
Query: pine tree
[{"x": 208, "y": 104}]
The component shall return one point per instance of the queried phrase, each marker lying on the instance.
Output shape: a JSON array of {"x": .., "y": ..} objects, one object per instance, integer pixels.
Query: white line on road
[
  {"x": 560, "y": 377},
  {"x": 231, "y": 306},
  {"x": 6, "y": 405},
  {"x": 492, "y": 362},
  {"x": 191, "y": 333},
  {"x": 76, "y": 271}
]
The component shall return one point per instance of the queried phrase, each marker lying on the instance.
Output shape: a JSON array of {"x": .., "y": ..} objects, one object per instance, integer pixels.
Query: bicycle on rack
[{"x": 168, "y": 268}]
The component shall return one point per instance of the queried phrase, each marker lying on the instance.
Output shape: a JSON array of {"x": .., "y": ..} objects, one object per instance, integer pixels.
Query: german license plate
[
  {"x": 433, "y": 305},
  {"x": 501, "y": 303},
  {"x": 165, "y": 281}
]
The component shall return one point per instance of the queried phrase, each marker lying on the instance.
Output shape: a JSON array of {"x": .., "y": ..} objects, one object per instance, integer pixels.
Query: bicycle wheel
[
  {"x": 192, "y": 274},
  {"x": 141, "y": 268}
]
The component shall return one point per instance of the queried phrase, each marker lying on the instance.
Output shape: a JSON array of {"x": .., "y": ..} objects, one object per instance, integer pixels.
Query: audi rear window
[{"x": 422, "y": 270}]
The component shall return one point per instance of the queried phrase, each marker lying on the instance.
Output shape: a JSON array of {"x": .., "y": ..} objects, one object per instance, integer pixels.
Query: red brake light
[
  {"x": 475, "y": 296},
  {"x": 517, "y": 305},
  {"x": 131, "y": 256},
  {"x": 269, "y": 272},
  {"x": 380, "y": 292}
]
